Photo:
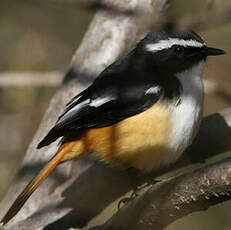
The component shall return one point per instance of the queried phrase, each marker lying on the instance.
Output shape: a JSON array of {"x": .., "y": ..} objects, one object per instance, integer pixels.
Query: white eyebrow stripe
[{"x": 168, "y": 43}]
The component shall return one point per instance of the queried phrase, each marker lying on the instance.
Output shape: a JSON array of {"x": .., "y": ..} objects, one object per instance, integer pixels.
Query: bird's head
[{"x": 173, "y": 52}]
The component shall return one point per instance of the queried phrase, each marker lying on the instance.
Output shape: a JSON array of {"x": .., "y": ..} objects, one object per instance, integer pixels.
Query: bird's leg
[
  {"x": 137, "y": 191},
  {"x": 123, "y": 202},
  {"x": 150, "y": 180},
  {"x": 140, "y": 189}
]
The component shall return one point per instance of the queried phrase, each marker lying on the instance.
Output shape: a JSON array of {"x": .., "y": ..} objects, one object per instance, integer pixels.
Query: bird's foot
[
  {"x": 151, "y": 181},
  {"x": 126, "y": 200},
  {"x": 137, "y": 191}
]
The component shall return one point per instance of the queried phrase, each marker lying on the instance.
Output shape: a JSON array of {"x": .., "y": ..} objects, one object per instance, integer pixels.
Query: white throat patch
[
  {"x": 187, "y": 115},
  {"x": 168, "y": 43}
]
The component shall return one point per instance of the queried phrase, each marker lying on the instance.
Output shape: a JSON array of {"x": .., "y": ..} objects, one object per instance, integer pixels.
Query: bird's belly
[{"x": 140, "y": 141}]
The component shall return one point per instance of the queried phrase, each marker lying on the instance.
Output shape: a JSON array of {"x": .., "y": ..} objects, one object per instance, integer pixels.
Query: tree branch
[
  {"x": 30, "y": 79},
  {"x": 175, "y": 198}
]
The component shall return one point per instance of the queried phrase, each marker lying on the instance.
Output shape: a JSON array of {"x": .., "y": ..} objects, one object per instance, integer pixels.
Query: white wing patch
[
  {"x": 168, "y": 43},
  {"x": 93, "y": 103},
  {"x": 152, "y": 90},
  {"x": 73, "y": 110},
  {"x": 100, "y": 101}
]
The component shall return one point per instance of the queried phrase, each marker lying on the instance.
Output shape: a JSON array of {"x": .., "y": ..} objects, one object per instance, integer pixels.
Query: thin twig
[
  {"x": 30, "y": 79},
  {"x": 54, "y": 79}
]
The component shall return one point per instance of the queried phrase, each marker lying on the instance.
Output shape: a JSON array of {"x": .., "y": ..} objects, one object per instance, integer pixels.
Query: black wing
[{"x": 114, "y": 96}]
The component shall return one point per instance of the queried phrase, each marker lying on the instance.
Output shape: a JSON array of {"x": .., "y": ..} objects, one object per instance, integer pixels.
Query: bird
[{"x": 141, "y": 112}]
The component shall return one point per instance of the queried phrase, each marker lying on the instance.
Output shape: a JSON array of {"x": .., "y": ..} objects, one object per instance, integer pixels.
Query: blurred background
[{"x": 39, "y": 37}]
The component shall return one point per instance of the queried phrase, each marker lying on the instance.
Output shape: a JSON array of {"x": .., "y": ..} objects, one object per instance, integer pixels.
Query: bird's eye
[{"x": 179, "y": 50}]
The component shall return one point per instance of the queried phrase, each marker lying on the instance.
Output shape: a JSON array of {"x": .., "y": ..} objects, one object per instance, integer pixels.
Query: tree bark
[{"x": 172, "y": 199}]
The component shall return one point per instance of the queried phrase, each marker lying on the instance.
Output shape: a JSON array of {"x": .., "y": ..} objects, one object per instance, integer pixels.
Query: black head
[{"x": 171, "y": 51}]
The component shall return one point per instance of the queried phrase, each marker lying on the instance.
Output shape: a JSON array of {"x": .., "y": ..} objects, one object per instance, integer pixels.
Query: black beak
[{"x": 213, "y": 51}]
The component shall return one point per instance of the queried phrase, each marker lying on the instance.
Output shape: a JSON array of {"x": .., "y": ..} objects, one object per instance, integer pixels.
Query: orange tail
[{"x": 31, "y": 187}]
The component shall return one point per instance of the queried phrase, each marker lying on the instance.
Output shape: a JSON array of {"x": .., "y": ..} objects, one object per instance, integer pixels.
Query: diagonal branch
[{"x": 175, "y": 198}]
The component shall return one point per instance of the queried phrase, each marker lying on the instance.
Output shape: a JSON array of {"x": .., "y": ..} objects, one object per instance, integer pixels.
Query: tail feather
[{"x": 31, "y": 187}]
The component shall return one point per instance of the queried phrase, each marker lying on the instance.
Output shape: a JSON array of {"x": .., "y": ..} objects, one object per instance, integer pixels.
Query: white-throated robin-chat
[{"x": 142, "y": 111}]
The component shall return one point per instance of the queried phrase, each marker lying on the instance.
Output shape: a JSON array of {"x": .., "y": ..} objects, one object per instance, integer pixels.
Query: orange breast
[{"x": 139, "y": 141}]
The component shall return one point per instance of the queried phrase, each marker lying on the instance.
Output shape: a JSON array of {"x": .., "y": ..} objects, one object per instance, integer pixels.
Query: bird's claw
[
  {"x": 126, "y": 200},
  {"x": 136, "y": 192}
]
